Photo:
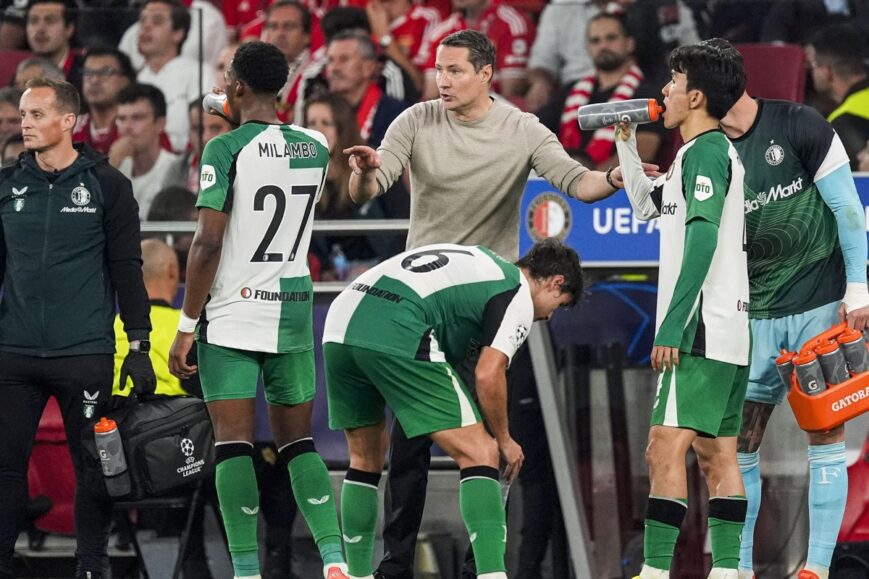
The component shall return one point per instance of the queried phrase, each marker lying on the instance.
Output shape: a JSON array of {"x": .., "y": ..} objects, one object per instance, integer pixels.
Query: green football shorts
[
  {"x": 425, "y": 396},
  {"x": 702, "y": 395},
  {"x": 230, "y": 374}
]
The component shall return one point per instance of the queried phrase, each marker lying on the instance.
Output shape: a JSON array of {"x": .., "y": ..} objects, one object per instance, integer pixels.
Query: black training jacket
[{"x": 69, "y": 247}]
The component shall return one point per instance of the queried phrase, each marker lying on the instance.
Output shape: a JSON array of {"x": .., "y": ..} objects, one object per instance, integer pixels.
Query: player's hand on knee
[
  {"x": 513, "y": 457},
  {"x": 178, "y": 354},
  {"x": 362, "y": 158},
  {"x": 664, "y": 358}
]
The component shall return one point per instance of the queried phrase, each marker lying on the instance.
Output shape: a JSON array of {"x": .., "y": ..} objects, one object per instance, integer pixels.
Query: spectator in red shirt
[
  {"x": 400, "y": 28},
  {"x": 510, "y": 31},
  {"x": 106, "y": 72},
  {"x": 288, "y": 27}
]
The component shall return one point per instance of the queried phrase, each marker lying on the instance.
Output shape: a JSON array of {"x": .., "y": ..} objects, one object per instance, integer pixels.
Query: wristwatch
[
  {"x": 385, "y": 41},
  {"x": 140, "y": 346}
]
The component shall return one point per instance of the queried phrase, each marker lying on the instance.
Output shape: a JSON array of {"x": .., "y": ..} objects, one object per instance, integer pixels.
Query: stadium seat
[
  {"x": 775, "y": 71},
  {"x": 9, "y": 60}
]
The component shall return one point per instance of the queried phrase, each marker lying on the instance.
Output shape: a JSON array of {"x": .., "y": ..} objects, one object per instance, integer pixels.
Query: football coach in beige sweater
[{"x": 469, "y": 157}]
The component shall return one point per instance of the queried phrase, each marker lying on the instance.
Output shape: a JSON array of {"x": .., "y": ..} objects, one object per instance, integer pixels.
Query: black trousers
[
  {"x": 82, "y": 386},
  {"x": 410, "y": 459}
]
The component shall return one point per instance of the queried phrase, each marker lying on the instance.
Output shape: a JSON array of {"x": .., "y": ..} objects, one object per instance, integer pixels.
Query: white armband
[
  {"x": 856, "y": 296},
  {"x": 186, "y": 324}
]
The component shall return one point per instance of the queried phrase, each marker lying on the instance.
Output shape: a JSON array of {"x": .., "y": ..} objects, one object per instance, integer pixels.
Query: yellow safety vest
[
  {"x": 856, "y": 104},
  {"x": 164, "y": 324}
]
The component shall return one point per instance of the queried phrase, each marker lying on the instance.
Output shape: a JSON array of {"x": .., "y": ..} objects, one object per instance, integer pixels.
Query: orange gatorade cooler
[{"x": 830, "y": 408}]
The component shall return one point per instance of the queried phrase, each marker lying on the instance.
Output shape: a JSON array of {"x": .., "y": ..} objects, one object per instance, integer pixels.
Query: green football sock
[
  {"x": 483, "y": 514},
  {"x": 239, "y": 505},
  {"x": 726, "y": 520},
  {"x": 664, "y": 517},
  {"x": 359, "y": 519},
  {"x": 312, "y": 488}
]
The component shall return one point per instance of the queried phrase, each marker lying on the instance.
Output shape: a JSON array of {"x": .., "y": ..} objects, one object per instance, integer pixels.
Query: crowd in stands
[{"x": 355, "y": 65}]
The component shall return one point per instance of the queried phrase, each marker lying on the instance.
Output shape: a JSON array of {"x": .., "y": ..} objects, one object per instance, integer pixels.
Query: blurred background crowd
[{"x": 142, "y": 67}]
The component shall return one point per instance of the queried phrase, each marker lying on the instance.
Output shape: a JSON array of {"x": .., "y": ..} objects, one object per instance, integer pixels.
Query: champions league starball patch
[{"x": 548, "y": 215}]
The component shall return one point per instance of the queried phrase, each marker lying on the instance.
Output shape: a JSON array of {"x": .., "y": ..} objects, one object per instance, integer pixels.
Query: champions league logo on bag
[{"x": 548, "y": 216}]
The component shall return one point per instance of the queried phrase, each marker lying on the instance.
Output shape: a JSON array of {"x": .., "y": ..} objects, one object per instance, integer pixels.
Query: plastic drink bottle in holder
[
  {"x": 810, "y": 377},
  {"x": 339, "y": 263},
  {"x": 597, "y": 115},
  {"x": 853, "y": 346},
  {"x": 110, "y": 448},
  {"x": 785, "y": 366},
  {"x": 832, "y": 362},
  {"x": 217, "y": 104}
]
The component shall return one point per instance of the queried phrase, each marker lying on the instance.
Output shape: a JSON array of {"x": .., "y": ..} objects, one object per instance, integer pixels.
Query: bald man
[{"x": 161, "y": 273}]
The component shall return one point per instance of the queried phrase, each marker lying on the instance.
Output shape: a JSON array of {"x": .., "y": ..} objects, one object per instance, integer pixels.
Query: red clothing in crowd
[
  {"x": 101, "y": 140},
  {"x": 411, "y": 30},
  {"x": 510, "y": 31}
]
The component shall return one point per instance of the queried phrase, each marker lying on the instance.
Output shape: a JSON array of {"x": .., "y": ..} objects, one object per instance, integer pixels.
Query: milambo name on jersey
[{"x": 304, "y": 150}]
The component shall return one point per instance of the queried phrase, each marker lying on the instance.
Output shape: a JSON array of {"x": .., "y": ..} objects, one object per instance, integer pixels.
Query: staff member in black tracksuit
[{"x": 69, "y": 247}]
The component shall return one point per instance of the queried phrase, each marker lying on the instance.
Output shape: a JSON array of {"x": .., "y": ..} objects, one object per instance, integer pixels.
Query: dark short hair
[
  {"x": 619, "y": 18},
  {"x": 123, "y": 60},
  {"x": 174, "y": 203},
  {"x": 303, "y": 10},
  {"x": 69, "y": 9},
  {"x": 49, "y": 68},
  {"x": 65, "y": 95},
  {"x": 180, "y": 16},
  {"x": 136, "y": 92},
  {"x": 343, "y": 18},
  {"x": 10, "y": 95},
  {"x": 551, "y": 257},
  {"x": 367, "y": 49},
  {"x": 261, "y": 66},
  {"x": 481, "y": 51},
  {"x": 841, "y": 46},
  {"x": 714, "y": 68}
]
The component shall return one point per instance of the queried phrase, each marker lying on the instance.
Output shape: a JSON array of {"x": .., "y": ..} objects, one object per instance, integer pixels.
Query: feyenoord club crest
[
  {"x": 548, "y": 216},
  {"x": 80, "y": 195},
  {"x": 774, "y": 154}
]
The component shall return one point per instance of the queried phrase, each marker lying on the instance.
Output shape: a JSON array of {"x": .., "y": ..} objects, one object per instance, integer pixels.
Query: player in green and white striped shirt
[
  {"x": 702, "y": 340},
  {"x": 249, "y": 287},
  {"x": 395, "y": 335}
]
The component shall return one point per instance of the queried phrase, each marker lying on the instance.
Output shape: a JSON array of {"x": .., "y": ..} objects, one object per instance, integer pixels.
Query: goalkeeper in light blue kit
[{"x": 807, "y": 271}]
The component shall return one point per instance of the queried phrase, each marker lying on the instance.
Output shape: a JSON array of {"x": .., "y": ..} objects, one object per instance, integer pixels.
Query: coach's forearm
[
  {"x": 363, "y": 188},
  {"x": 591, "y": 187}
]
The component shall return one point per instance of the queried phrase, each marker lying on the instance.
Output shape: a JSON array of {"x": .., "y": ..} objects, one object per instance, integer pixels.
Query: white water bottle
[{"x": 110, "y": 448}]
